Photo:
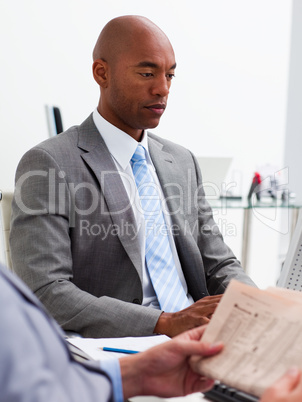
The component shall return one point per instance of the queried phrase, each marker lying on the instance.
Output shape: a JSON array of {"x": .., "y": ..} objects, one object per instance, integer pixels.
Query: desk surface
[{"x": 197, "y": 397}]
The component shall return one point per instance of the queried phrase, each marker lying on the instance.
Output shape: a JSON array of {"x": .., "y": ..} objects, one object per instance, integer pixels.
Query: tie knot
[{"x": 139, "y": 154}]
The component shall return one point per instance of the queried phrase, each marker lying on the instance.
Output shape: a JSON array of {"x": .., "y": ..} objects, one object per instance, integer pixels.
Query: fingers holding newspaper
[
  {"x": 252, "y": 324},
  {"x": 165, "y": 371},
  {"x": 287, "y": 389}
]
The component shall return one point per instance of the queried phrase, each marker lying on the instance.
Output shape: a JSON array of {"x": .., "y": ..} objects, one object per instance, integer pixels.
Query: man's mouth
[{"x": 157, "y": 108}]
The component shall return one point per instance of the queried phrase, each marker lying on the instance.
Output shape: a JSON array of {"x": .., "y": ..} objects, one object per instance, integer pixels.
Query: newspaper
[{"x": 262, "y": 334}]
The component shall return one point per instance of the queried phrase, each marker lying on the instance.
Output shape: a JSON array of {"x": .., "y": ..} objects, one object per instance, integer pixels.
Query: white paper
[{"x": 93, "y": 346}]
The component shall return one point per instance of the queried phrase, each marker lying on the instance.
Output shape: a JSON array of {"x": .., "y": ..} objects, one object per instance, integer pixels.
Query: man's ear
[{"x": 100, "y": 72}]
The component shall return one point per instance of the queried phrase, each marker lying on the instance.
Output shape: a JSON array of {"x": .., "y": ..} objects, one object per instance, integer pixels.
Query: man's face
[{"x": 138, "y": 86}]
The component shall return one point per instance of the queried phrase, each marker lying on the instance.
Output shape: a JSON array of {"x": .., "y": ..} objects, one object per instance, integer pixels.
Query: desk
[
  {"x": 87, "y": 348},
  {"x": 249, "y": 209},
  {"x": 197, "y": 397}
]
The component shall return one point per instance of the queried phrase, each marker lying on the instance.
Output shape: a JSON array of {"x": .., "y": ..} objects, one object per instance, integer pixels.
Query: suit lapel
[
  {"x": 167, "y": 172},
  {"x": 98, "y": 158},
  {"x": 171, "y": 180}
]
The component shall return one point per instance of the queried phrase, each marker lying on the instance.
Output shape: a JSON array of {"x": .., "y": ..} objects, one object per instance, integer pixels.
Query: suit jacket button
[{"x": 136, "y": 301}]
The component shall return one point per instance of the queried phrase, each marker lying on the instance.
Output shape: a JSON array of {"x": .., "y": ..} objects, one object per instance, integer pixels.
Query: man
[
  {"x": 36, "y": 364},
  {"x": 80, "y": 233}
]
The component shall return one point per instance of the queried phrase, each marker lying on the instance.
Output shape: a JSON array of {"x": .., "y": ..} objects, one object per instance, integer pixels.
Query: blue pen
[{"x": 119, "y": 350}]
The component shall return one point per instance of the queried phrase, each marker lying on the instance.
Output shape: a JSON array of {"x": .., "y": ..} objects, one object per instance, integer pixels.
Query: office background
[{"x": 236, "y": 91}]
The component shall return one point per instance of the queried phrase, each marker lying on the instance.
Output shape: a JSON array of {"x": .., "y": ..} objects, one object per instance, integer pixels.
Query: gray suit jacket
[
  {"x": 36, "y": 364},
  {"x": 73, "y": 234}
]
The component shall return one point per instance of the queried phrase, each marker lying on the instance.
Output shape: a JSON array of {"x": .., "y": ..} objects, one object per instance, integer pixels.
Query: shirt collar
[{"x": 120, "y": 144}]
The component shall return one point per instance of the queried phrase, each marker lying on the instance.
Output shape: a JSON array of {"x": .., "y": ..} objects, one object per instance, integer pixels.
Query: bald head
[
  {"x": 122, "y": 33},
  {"x": 133, "y": 64}
]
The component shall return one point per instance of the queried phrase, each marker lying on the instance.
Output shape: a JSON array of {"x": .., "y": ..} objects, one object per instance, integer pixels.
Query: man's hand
[
  {"x": 287, "y": 389},
  {"x": 164, "y": 370},
  {"x": 197, "y": 314}
]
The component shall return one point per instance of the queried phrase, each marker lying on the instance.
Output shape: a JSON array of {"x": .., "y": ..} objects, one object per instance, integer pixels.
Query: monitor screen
[{"x": 54, "y": 120}]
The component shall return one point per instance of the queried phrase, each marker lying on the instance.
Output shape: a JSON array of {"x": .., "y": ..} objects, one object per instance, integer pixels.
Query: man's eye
[
  {"x": 170, "y": 76},
  {"x": 147, "y": 75}
]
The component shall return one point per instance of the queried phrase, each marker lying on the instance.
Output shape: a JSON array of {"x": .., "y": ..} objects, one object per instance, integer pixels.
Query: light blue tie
[{"x": 159, "y": 258}]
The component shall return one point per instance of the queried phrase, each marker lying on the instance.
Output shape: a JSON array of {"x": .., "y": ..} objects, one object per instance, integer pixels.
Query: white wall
[{"x": 228, "y": 98}]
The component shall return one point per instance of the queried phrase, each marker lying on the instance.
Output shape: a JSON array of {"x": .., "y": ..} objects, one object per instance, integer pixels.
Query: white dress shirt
[{"x": 122, "y": 147}]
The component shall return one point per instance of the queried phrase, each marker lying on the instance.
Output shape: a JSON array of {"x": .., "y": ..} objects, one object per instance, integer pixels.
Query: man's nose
[{"x": 161, "y": 86}]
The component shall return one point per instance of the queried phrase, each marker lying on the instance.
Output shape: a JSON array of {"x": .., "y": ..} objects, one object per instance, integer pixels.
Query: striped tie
[{"x": 159, "y": 258}]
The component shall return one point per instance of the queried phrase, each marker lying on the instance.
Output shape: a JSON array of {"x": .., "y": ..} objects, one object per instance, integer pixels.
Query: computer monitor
[
  {"x": 214, "y": 170},
  {"x": 54, "y": 120},
  {"x": 291, "y": 273}
]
